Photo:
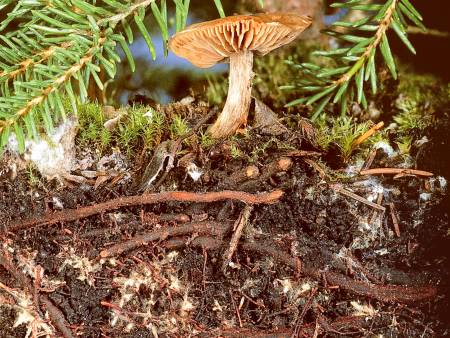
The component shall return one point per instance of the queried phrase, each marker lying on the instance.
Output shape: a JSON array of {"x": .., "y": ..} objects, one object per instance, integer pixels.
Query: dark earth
[{"x": 177, "y": 287}]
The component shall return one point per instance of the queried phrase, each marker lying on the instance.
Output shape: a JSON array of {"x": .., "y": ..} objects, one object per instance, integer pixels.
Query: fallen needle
[{"x": 343, "y": 191}]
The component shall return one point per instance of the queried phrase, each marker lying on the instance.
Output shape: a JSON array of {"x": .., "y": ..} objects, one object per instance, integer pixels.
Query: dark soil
[{"x": 150, "y": 289}]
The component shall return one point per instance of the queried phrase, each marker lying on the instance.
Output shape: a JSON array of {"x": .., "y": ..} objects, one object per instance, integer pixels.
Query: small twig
[
  {"x": 354, "y": 263},
  {"x": 299, "y": 321},
  {"x": 235, "y": 308},
  {"x": 203, "y": 228},
  {"x": 6, "y": 299},
  {"x": 239, "y": 227},
  {"x": 179, "y": 196},
  {"x": 367, "y": 134},
  {"x": 428, "y": 31},
  {"x": 8, "y": 290},
  {"x": 341, "y": 190},
  {"x": 394, "y": 219},
  {"x": 370, "y": 159},
  {"x": 395, "y": 171},
  {"x": 258, "y": 304},
  {"x": 375, "y": 212},
  {"x": 36, "y": 287},
  {"x": 316, "y": 329},
  {"x": 302, "y": 153},
  {"x": 323, "y": 175},
  {"x": 57, "y": 317},
  {"x": 205, "y": 261}
]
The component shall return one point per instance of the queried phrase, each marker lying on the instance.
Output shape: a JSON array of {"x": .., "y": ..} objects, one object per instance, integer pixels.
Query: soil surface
[{"x": 317, "y": 262}]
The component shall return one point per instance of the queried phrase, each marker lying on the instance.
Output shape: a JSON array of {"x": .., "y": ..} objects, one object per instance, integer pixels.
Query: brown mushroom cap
[{"x": 207, "y": 43}]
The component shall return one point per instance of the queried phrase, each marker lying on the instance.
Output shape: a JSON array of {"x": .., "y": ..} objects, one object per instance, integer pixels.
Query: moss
[
  {"x": 417, "y": 100},
  {"x": 178, "y": 127},
  {"x": 138, "y": 127},
  {"x": 414, "y": 104},
  {"x": 34, "y": 179},
  {"x": 262, "y": 149},
  {"x": 421, "y": 100},
  {"x": 404, "y": 144},
  {"x": 235, "y": 151},
  {"x": 341, "y": 131},
  {"x": 206, "y": 141},
  {"x": 410, "y": 116},
  {"x": 92, "y": 131}
]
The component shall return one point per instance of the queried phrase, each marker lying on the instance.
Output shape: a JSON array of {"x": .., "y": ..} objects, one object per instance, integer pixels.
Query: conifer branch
[
  {"x": 127, "y": 11},
  {"x": 380, "y": 32},
  {"x": 355, "y": 60},
  {"x": 61, "y": 43},
  {"x": 65, "y": 77},
  {"x": 34, "y": 60}
]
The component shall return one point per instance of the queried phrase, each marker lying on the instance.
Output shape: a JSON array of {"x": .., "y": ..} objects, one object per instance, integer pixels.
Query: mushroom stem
[{"x": 235, "y": 111}]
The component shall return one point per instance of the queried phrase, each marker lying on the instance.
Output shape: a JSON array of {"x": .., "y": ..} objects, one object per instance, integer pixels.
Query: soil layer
[{"x": 315, "y": 262}]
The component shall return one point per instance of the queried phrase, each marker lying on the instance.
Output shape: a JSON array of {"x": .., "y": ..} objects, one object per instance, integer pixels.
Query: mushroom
[{"x": 237, "y": 38}]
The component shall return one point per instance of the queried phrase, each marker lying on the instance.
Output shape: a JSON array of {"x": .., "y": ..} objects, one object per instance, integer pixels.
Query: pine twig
[
  {"x": 355, "y": 58},
  {"x": 367, "y": 134},
  {"x": 239, "y": 228},
  {"x": 395, "y": 171},
  {"x": 48, "y": 49}
]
